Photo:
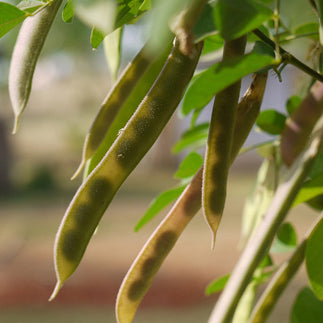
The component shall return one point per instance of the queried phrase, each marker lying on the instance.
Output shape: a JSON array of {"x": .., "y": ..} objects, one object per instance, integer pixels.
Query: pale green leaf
[
  {"x": 189, "y": 166},
  {"x": 68, "y": 11}
]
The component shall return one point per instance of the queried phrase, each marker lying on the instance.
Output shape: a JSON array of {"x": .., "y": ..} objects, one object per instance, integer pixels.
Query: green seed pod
[
  {"x": 131, "y": 145},
  {"x": 300, "y": 124},
  {"x": 128, "y": 108},
  {"x": 30, "y": 41},
  {"x": 113, "y": 102},
  {"x": 148, "y": 261},
  {"x": 219, "y": 143}
]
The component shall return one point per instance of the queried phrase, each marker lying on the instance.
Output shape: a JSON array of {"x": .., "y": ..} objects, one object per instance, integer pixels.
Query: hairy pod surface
[
  {"x": 128, "y": 108},
  {"x": 113, "y": 102},
  {"x": 30, "y": 41},
  {"x": 144, "y": 268},
  {"x": 219, "y": 143},
  {"x": 134, "y": 141},
  {"x": 299, "y": 125}
]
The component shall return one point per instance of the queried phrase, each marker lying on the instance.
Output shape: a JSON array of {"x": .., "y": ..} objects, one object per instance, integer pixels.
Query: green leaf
[
  {"x": 205, "y": 24},
  {"x": 96, "y": 38},
  {"x": 310, "y": 189},
  {"x": 98, "y": 13},
  {"x": 189, "y": 166},
  {"x": 307, "y": 308},
  {"x": 292, "y": 103},
  {"x": 10, "y": 16},
  {"x": 217, "y": 285},
  {"x": 271, "y": 121},
  {"x": 286, "y": 239},
  {"x": 159, "y": 203},
  {"x": 318, "y": 165},
  {"x": 30, "y": 6},
  {"x": 314, "y": 259},
  {"x": 68, "y": 11},
  {"x": 193, "y": 138},
  {"x": 212, "y": 43},
  {"x": 112, "y": 50},
  {"x": 235, "y": 18},
  {"x": 219, "y": 76},
  {"x": 130, "y": 10},
  {"x": 310, "y": 28}
]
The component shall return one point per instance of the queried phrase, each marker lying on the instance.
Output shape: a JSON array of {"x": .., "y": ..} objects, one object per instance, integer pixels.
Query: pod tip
[
  {"x": 55, "y": 291},
  {"x": 15, "y": 125},
  {"x": 79, "y": 169},
  {"x": 213, "y": 241}
]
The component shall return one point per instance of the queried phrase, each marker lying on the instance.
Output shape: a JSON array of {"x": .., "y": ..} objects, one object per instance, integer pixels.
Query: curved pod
[
  {"x": 113, "y": 102},
  {"x": 219, "y": 143},
  {"x": 144, "y": 268},
  {"x": 30, "y": 41},
  {"x": 142, "y": 130}
]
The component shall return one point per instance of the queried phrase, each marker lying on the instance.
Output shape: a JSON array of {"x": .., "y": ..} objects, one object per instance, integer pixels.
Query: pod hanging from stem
[
  {"x": 30, "y": 42},
  {"x": 219, "y": 143}
]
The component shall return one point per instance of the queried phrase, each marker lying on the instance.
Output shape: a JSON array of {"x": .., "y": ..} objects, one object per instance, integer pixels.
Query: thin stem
[
  {"x": 276, "y": 23},
  {"x": 292, "y": 37},
  {"x": 258, "y": 245},
  {"x": 289, "y": 58},
  {"x": 280, "y": 281}
]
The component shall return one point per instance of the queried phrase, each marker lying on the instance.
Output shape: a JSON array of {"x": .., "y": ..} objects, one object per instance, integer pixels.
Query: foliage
[{"x": 143, "y": 99}]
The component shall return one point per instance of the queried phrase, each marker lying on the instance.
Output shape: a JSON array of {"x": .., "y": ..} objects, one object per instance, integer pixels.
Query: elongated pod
[
  {"x": 142, "y": 130},
  {"x": 300, "y": 124},
  {"x": 113, "y": 102},
  {"x": 30, "y": 41},
  {"x": 219, "y": 143},
  {"x": 128, "y": 108},
  {"x": 144, "y": 268}
]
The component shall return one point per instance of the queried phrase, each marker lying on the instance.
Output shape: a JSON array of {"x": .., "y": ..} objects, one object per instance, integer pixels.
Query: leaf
[
  {"x": 318, "y": 165},
  {"x": 286, "y": 239},
  {"x": 30, "y": 6},
  {"x": 98, "y": 13},
  {"x": 205, "y": 24},
  {"x": 193, "y": 138},
  {"x": 292, "y": 103},
  {"x": 314, "y": 259},
  {"x": 307, "y": 308},
  {"x": 96, "y": 38},
  {"x": 212, "y": 43},
  {"x": 219, "y": 76},
  {"x": 271, "y": 121},
  {"x": 189, "y": 166},
  {"x": 159, "y": 203},
  {"x": 112, "y": 50},
  {"x": 129, "y": 10},
  {"x": 68, "y": 12},
  {"x": 310, "y": 189},
  {"x": 10, "y": 16},
  {"x": 235, "y": 18},
  {"x": 310, "y": 28},
  {"x": 217, "y": 285}
]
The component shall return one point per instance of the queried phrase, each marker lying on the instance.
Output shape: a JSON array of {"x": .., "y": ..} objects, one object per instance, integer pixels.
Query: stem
[
  {"x": 280, "y": 281},
  {"x": 288, "y": 57},
  {"x": 276, "y": 22},
  {"x": 263, "y": 237}
]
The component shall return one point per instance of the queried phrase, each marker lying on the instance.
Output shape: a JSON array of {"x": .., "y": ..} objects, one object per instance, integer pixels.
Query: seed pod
[
  {"x": 144, "y": 268},
  {"x": 113, "y": 102},
  {"x": 128, "y": 108},
  {"x": 219, "y": 143},
  {"x": 30, "y": 41},
  {"x": 300, "y": 124},
  {"x": 142, "y": 130}
]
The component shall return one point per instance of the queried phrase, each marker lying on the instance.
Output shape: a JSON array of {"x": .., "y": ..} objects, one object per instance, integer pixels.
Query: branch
[
  {"x": 258, "y": 245},
  {"x": 288, "y": 57}
]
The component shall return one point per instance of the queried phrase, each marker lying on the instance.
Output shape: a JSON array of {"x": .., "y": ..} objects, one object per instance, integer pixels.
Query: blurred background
[{"x": 69, "y": 84}]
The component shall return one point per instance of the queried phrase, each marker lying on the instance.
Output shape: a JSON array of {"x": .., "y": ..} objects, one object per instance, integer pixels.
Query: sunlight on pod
[
  {"x": 99, "y": 188},
  {"x": 141, "y": 274}
]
